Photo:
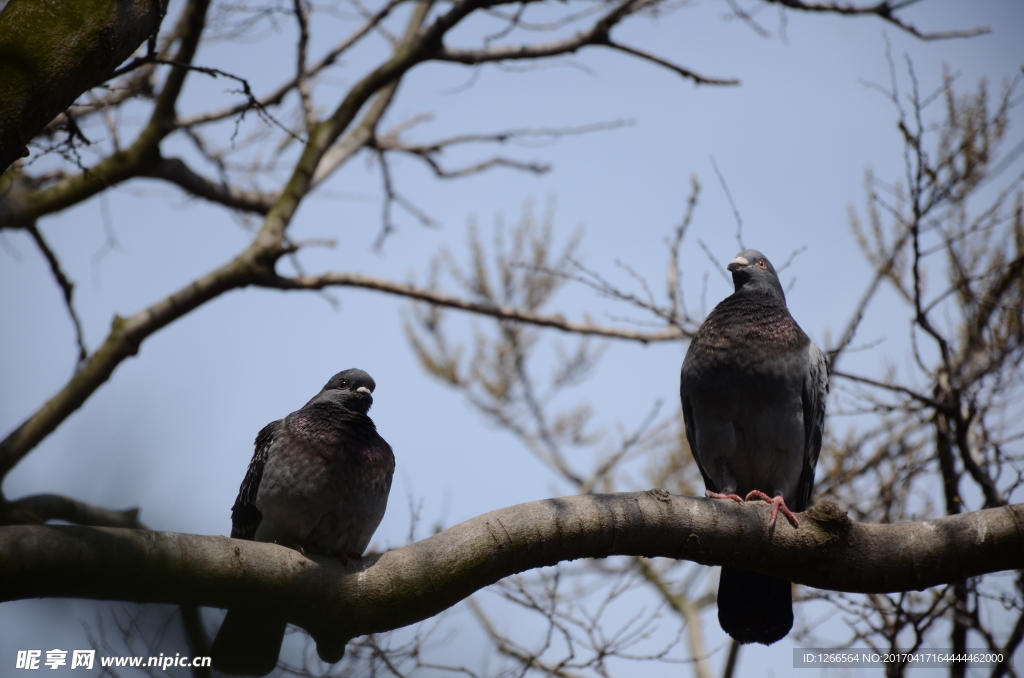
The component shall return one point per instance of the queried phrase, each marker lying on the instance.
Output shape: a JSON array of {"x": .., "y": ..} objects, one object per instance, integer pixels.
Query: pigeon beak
[
  {"x": 736, "y": 264},
  {"x": 363, "y": 390}
]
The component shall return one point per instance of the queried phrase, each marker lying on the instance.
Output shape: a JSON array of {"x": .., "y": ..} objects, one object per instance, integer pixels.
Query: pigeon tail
[
  {"x": 754, "y": 607},
  {"x": 248, "y": 643}
]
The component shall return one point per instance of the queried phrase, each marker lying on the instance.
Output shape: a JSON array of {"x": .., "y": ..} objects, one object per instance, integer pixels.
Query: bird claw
[
  {"x": 345, "y": 556},
  {"x": 715, "y": 495},
  {"x": 778, "y": 504}
]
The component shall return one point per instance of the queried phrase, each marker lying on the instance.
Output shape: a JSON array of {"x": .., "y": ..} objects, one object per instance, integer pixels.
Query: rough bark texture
[
  {"x": 336, "y": 602},
  {"x": 51, "y": 51}
]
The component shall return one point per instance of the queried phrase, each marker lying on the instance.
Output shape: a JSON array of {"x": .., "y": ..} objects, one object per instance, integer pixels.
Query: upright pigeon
[
  {"x": 753, "y": 389},
  {"x": 318, "y": 482}
]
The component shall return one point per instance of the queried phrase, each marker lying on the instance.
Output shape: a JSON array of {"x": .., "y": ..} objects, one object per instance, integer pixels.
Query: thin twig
[{"x": 66, "y": 286}]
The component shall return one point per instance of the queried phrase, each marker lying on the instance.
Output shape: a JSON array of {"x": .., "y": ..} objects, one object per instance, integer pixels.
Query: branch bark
[
  {"x": 336, "y": 602},
  {"x": 19, "y": 208},
  {"x": 54, "y": 50}
]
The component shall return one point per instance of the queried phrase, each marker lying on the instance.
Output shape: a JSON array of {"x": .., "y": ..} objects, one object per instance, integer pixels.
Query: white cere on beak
[
  {"x": 363, "y": 389},
  {"x": 739, "y": 260}
]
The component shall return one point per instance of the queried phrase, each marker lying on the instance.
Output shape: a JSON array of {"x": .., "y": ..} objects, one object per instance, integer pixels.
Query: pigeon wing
[
  {"x": 691, "y": 427},
  {"x": 245, "y": 517},
  {"x": 815, "y": 392}
]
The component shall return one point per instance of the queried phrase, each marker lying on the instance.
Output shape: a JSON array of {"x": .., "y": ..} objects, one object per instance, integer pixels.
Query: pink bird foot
[
  {"x": 778, "y": 504},
  {"x": 715, "y": 495}
]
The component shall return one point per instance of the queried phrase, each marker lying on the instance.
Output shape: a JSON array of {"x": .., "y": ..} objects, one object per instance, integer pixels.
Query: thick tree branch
[
  {"x": 54, "y": 50},
  {"x": 337, "y": 602},
  {"x": 41, "y": 508},
  {"x": 21, "y": 207}
]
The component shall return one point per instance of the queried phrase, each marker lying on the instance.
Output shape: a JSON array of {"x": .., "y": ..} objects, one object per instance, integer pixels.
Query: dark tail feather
[
  {"x": 248, "y": 643},
  {"x": 753, "y": 607}
]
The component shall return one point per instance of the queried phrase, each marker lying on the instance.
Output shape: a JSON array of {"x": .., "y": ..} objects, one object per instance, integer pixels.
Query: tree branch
[
  {"x": 177, "y": 172},
  {"x": 278, "y": 95},
  {"x": 896, "y": 388},
  {"x": 126, "y": 335},
  {"x": 66, "y": 286},
  {"x": 885, "y": 10},
  {"x": 45, "y": 507},
  {"x": 690, "y": 612},
  {"x": 596, "y": 35},
  {"x": 317, "y": 282},
  {"x": 337, "y": 602},
  {"x": 19, "y": 208},
  {"x": 685, "y": 72},
  {"x": 53, "y": 51}
]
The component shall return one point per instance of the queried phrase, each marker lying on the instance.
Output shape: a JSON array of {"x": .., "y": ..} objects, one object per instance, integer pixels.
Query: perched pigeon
[
  {"x": 318, "y": 482},
  {"x": 753, "y": 389}
]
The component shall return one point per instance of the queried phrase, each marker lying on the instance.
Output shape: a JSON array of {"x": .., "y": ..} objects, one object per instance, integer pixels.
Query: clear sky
[{"x": 172, "y": 431}]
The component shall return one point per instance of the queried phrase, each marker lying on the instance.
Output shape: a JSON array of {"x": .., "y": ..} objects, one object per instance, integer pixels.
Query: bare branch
[
  {"x": 278, "y": 95},
  {"x": 438, "y": 298},
  {"x": 328, "y": 598},
  {"x": 45, "y": 507},
  {"x": 685, "y": 72},
  {"x": 67, "y": 287},
  {"x": 302, "y": 12},
  {"x": 508, "y": 648},
  {"x": 732, "y": 203},
  {"x": 885, "y": 10},
  {"x": 690, "y": 613},
  {"x": 126, "y": 335},
  {"x": 177, "y": 172},
  {"x": 597, "y": 34}
]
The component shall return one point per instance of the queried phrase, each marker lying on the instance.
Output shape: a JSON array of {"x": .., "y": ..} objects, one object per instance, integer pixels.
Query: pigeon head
[
  {"x": 752, "y": 270},
  {"x": 351, "y": 389}
]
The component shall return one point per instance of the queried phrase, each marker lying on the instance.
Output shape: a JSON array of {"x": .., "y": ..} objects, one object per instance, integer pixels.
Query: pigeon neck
[
  {"x": 761, "y": 288},
  {"x": 324, "y": 425}
]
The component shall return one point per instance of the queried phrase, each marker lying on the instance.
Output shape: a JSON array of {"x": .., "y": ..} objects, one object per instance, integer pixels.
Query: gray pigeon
[
  {"x": 318, "y": 482},
  {"x": 753, "y": 389}
]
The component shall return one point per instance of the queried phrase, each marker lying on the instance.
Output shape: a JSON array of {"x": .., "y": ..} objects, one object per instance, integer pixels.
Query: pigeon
[
  {"x": 318, "y": 482},
  {"x": 753, "y": 390}
]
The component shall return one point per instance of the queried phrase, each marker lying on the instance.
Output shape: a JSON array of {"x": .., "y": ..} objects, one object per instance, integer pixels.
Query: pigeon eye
[
  {"x": 762, "y": 264},
  {"x": 342, "y": 384}
]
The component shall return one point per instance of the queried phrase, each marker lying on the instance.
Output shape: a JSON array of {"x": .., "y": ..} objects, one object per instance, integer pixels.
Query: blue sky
[{"x": 172, "y": 431}]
